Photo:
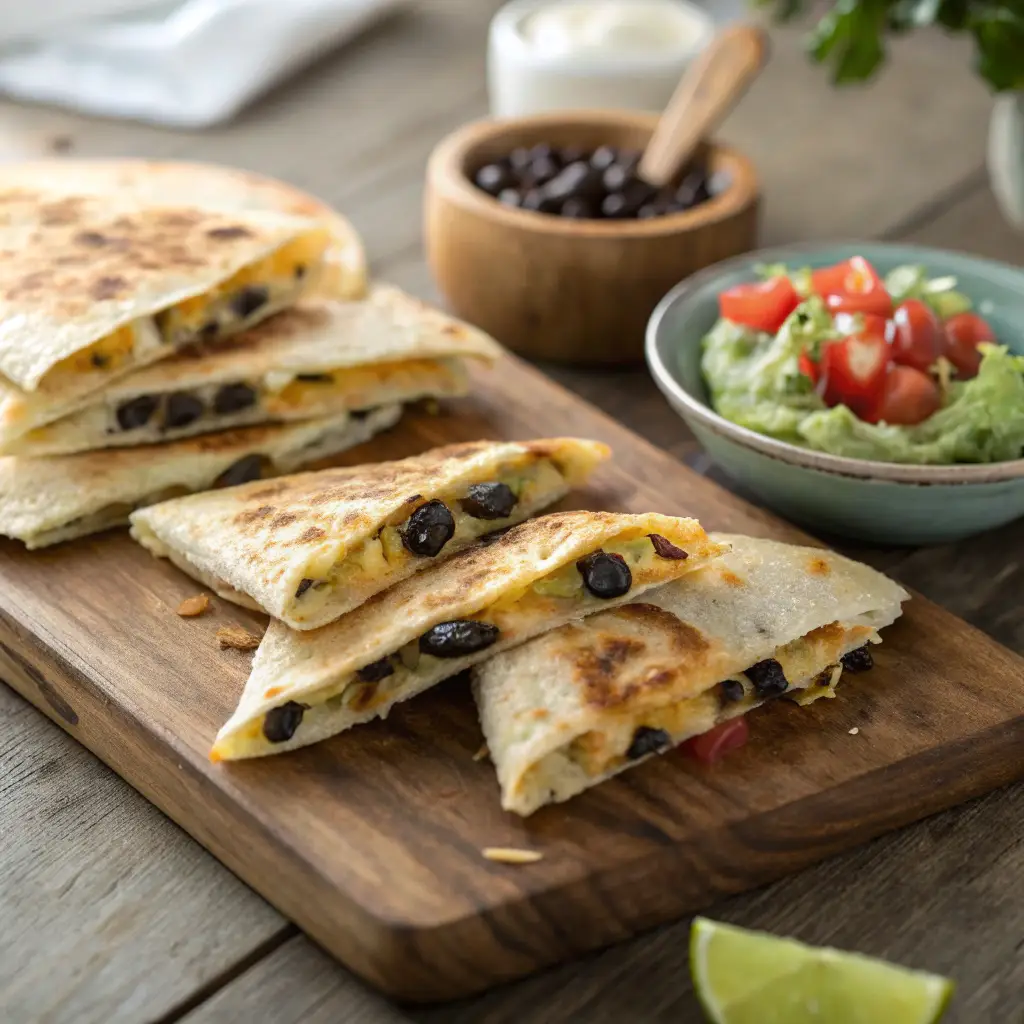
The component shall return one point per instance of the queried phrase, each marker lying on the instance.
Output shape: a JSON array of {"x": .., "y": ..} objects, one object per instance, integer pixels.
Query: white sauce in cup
[{"x": 559, "y": 54}]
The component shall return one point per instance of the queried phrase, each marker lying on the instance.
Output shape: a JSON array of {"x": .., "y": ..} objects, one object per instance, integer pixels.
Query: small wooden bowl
[{"x": 571, "y": 291}]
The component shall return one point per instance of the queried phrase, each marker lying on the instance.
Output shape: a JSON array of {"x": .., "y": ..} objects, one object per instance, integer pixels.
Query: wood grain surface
[
  {"x": 371, "y": 841},
  {"x": 902, "y": 159}
]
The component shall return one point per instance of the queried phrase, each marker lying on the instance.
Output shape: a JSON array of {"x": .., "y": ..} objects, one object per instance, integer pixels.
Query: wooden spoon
[{"x": 708, "y": 90}]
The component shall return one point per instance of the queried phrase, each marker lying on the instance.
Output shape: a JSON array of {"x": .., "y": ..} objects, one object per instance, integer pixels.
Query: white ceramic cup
[{"x": 526, "y": 76}]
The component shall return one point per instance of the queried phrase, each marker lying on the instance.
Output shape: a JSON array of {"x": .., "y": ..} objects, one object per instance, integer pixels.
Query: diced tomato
[
  {"x": 713, "y": 744},
  {"x": 807, "y": 366},
  {"x": 964, "y": 332},
  {"x": 863, "y": 323},
  {"x": 917, "y": 339},
  {"x": 852, "y": 287},
  {"x": 763, "y": 305},
  {"x": 853, "y": 372},
  {"x": 908, "y": 397}
]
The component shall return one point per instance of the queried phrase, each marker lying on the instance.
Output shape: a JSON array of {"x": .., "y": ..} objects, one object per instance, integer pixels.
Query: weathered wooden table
[{"x": 108, "y": 912}]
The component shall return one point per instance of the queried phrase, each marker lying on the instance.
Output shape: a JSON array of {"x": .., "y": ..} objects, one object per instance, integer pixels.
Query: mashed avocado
[{"x": 754, "y": 381}]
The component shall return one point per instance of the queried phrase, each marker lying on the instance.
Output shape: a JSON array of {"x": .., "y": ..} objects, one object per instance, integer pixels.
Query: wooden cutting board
[{"x": 371, "y": 841}]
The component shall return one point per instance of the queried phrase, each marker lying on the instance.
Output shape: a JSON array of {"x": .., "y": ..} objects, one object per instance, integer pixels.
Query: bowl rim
[
  {"x": 839, "y": 465},
  {"x": 446, "y": 177}
]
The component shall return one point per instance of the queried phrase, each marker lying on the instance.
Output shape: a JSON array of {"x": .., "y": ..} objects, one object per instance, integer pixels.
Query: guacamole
[{"x": 755, "y": 380}]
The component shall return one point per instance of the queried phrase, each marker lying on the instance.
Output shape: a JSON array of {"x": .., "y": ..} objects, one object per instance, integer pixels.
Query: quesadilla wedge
[
  {"x": 316, "y": 359},
  {"x": 161, "y": 183},
  {"x": 46, "y": 501},
  {"x": 536, "y": 576},
  {"x": 585, "y": 702},
  {"x": 93, "y": 287},
  {"x": 311, "y": 547}
]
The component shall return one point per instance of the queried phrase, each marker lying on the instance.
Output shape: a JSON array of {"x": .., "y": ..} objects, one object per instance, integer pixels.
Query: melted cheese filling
[
  {"x": 382, "y": 556},
  {"x": 283, "y": 273},
  {"x": 515, "y": 614}
]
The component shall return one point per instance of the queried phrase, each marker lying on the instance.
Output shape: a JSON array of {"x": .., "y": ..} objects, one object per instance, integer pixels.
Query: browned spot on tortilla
[
  {"x": 254, "y": 515},
  {"x": 179, "y": 218},
  {"x": 830, "y": 633},
  {"x": 819, "y": 567},
  {"x": 63, "y": 211},
  {"x": 21, "y": 288},
  {"x": 540, "y": 714},
  {"x": 364, "y": 698},
  {"x": 273, "y": 691},
  {"x": 91, "y": 239},
  {"x": 311, "y": 534},
  {"x": 282, "y": 520},
  {"x": 728, "y": 576},
  {"x": 107, "y": 288},
  {"x": 232, "y": 231}
]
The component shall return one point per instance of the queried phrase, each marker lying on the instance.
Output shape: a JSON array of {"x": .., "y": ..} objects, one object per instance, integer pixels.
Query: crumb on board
[
  {"x": 239, "y": 639},
  {"x": 510, "y": 855},
  {"x": 854, "y": 731},
  {"x": 193, "y": 606},
  {"x": 481, "y": 753}
]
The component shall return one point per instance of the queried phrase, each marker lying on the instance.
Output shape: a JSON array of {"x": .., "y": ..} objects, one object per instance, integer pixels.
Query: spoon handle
[{"x": 705, "y": 94}]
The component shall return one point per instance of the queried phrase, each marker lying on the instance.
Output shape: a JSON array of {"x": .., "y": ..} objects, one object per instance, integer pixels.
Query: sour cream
[{"x": 558, "y": 54}]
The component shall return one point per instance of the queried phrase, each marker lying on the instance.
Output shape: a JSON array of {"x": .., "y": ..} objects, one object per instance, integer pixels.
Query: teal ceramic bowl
[{"x": 875, "y": 501}]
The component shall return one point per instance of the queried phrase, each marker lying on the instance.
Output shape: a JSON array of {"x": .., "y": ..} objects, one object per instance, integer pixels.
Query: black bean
[
  {"x": 664, "y": 548},
  {"x": 181, "y": 409},
  {"x": 376, "y": 670},
  {"x": 578, "y": 179},
  {"x": 542, "y": 151},
  {"x": 603, "y": 157},
  {"x": 580, "y": 209},
  {"x": 456, "y": 638},
  {"x": 648, "y": 741},
  {"x": 768, "y": 678},
  {"x": 489, "y": 501},
  {"x": 208, "y": 331},
  {"x": 719, "y": 182},
  {"x": 251, "y": 298},
  {"x": 542, "y": 170},
  {"x": 280, "y": 723},
  {"x": 535, "y": 199},
  {"x": 615, "y": 206},
  {"x": 730, "y": 691},
  {"x": 493, "y": 178},
  {"x": 605, "y": 575},
  {"x": 249, "y": 467},
  {"x": 859, "y": 660},
  {"x": 616, "y": 178},
  {"x": 519, "y": 158},
  {"x": 570, "y": 154},
  {"x": 510, "y": 197},
  {"x": 136, "y": 412},
  {"x": 362, "y": 414},
  {"x": 314, "y": 378},
  {"x": 428, "y": 529},
  {"x": 304, "y": 585},
  {"x": 693, "y": 190},
  {"x": 233, "y": 398},
  {"x": 99, "y": 360}
]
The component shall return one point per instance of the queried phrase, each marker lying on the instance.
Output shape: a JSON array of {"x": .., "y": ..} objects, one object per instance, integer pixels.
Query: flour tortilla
[
  {"x": 587, "y": 687},
  {"x": 49, "y": 500},
  {"x": 155, "y": 182},
  {"x": 393, "y": 347},
  {"x": 316, "y": 668},
  {"x": 264, "y": 544}
]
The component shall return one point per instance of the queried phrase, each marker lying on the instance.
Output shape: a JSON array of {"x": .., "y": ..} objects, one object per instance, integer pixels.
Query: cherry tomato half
[
  {"x": 852, "y": 286},
  {"x": 917, "y": 339},
  {"x": 807, "y": 366},
  {"x": 853, "y": 373},
  {"x": 863, "y": 323},
  {"x": 964, "y": 332},
  {"x": 763, "y": 305},
  {"x": 711, "y": 745},
  {"x": 875, "y": 301},
  {"x": 908, "y": 397}
]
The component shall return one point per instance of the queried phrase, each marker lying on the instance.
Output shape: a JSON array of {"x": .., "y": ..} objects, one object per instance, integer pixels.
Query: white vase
[{"x": 1006, "y": 155}]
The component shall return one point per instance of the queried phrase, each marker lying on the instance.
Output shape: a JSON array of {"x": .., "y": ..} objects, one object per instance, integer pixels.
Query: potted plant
[{"x": 850, "y": 39}]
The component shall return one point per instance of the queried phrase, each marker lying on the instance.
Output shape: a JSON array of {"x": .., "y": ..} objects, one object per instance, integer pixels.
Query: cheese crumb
[
  {"x": 193, "y": 606},
  {"x": 481, "y": 753},
  {"x": 854, "y": 731},
  {"x": 239, "y": 639},
  {"x": 508, "y": 855}
]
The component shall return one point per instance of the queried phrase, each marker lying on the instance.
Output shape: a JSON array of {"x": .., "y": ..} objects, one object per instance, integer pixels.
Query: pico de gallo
[{"x": 898, "y": 368}]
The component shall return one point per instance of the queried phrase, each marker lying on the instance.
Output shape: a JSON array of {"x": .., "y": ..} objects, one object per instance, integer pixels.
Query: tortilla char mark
[{"x": 632, "y": 652}]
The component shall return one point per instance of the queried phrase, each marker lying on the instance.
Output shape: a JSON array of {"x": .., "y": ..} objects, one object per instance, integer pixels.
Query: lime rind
[{"x": 748, "y": 977}]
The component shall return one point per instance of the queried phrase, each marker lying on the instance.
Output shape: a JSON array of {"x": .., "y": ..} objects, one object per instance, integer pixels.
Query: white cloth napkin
[{"x": 185, "y": 63}]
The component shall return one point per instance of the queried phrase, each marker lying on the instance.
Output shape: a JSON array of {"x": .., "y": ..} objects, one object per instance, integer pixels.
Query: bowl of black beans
[{"x": 540, "y": 230}]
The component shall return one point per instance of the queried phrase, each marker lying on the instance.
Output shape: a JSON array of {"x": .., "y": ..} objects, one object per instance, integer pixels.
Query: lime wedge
[{"x": 745, "y": 977}]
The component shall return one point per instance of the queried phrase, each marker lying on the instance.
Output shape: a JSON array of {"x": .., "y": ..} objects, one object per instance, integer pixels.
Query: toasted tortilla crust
[
  {"x": 260, "y": 538},
  {"x": 77, "y": 267},
  {"x": 43, "y": 500},
  {"x": 314, "y": 336},
  {"x": 605, "y": 674},
  {"x": 208, "y": 185},
  {"x": 291, "y": 665}
]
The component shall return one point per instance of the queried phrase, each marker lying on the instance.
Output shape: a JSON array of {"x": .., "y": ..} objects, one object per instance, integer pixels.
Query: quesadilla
[
  {"x": 585, "y": 702},
  {"x": 92, "y": 287},
  {"x": 316, "y": 359},
  {"x": 46, "y": 501},
  {"x": 536, "y": 576},
  {"x": 160, "y": 183}
]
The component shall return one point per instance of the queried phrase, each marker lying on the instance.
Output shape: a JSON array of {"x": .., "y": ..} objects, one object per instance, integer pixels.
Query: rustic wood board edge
[{"x": 483, "y": 950}]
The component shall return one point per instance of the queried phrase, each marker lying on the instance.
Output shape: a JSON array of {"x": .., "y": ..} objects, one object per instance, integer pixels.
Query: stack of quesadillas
[{"x": 166, "y": 329}]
